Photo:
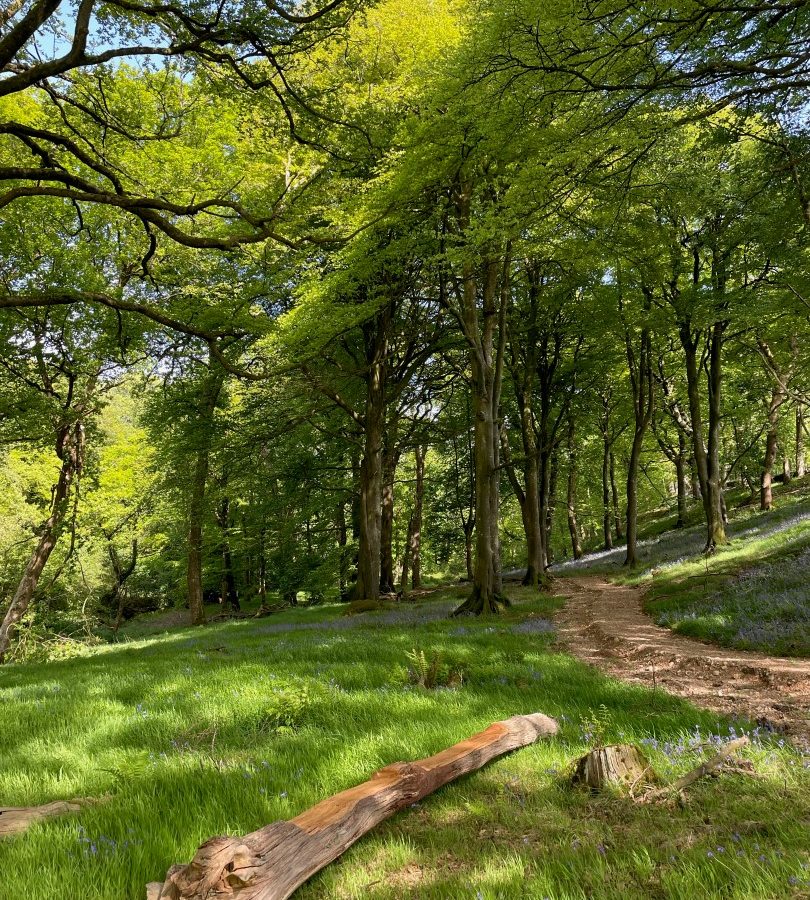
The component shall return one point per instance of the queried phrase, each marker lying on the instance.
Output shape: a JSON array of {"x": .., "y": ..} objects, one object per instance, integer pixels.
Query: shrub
[{"x": 285, "y": 710}]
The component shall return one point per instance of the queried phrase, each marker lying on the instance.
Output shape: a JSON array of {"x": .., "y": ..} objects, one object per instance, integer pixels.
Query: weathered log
[
  {"x": 621, "y": 765},
  {"x": 716, "y": 762},
  {"x": 16, "y": 819},
  {"x": 269, "y": 864}
]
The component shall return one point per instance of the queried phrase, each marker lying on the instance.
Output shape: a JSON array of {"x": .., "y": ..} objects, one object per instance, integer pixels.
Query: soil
[{"x": 604, "y": 625}]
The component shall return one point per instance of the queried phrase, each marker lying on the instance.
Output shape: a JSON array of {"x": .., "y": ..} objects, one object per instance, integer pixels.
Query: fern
[
  {"x": 132, "y": 767},
  {"x": 430, "y": 672}
]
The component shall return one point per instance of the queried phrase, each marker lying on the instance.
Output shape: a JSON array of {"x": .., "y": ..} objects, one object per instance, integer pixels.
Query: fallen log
[
  {"x": 709, "y": 767},
  {"x": 269, "y": 864},
  {"x": 16, "y": 819}
]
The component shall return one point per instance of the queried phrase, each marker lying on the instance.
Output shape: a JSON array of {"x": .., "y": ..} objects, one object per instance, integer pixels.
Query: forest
[{"x": 358, "y": 360}]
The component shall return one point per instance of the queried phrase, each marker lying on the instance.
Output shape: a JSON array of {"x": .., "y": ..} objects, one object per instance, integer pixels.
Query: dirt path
[{"x": 604, "y": 625}]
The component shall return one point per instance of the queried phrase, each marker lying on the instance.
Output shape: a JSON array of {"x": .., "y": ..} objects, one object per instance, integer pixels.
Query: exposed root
[{"x": 479, "y": 605}]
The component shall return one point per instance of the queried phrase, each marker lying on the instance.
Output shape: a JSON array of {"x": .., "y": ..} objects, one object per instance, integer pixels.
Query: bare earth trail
[{"x": 604, "y": 625}]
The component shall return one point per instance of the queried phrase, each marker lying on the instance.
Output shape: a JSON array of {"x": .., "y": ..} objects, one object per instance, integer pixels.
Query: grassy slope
[
  {"x": 180, "y": 733},
  {"x": 751, "y": 594}
]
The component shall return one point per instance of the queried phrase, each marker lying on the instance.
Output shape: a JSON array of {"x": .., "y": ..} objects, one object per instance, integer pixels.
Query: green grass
[
  {"x": 750, "y": 594},
  {"x": 220, "y": 730}
]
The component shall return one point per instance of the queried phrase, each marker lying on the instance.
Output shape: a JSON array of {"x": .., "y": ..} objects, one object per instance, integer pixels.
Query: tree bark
[
  {"x": 800, "y": 457},
  {"x": 274, "y": 861}
]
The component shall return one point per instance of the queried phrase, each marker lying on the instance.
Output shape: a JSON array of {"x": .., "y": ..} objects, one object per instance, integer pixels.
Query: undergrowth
[{"x": 220, "y": 730}]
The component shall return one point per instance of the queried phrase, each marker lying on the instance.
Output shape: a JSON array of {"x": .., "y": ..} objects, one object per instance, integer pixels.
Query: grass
[
  {"x": 750, "y": 594},
  {"x": 194, "y": 733}
]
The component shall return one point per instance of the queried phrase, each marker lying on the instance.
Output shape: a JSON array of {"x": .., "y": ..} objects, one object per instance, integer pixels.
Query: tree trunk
[
  {"x": 528, "y": 494},
  {"x": 411, "y": 556},
  {"x": 274, "y": 861},
  {"x": 641, "y": 383},
  {"x": 196, "y": 506},
  {"x": 356, "y": 521},
  {"x": 706, "y": 459},
  {"x": 484, "y": 598},
  {"x": 368, "y": 559},
  {"x": 371, "y": 466},
  {"x": 550, "y": 505},
  {"x": 614, "y": 493},
  {"x": 115, "y": 596},
  {"x": 391, "y": 455},
  {"x": 766, "y": 481},
  {"x": 195, "y": 539},
  {"x": 342, "y": 541},
  {"x": 469, "y": 529},
  {"x": 523, "y": 346},
  {"x": 800, "y": 458},
  {"x": 70, "y": 448},
  {"x": 680, "y": 477},
  {"x": 406, "y": 563},
  {"x": 694, "y": 481},
  {"x": 717, "y": 531},
  {"x": 630, "y": 558},
  {"x": 228, "y": 593},
  {"x": 571, "y": 500},
  {"x": 530, "y": 508},
  {"x": 485, "y": 389},
  {"x": 263, "y": 565},
  {"x": 607, "y": 537},
  {"x": 415, "y": 531}
]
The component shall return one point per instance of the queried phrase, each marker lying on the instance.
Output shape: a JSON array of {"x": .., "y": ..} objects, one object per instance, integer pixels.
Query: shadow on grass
[{"x": 181, "y": 734}]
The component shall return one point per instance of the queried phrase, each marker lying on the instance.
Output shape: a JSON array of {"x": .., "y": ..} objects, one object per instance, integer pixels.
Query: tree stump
[{"x": 620, "y": 765}]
